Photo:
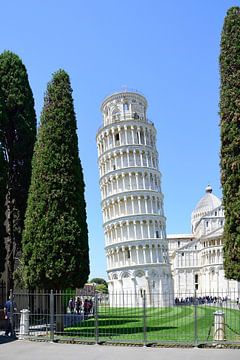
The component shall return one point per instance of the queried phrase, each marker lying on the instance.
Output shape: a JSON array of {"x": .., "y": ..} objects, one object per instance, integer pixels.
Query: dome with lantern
[{"x": 205, "y": 206}]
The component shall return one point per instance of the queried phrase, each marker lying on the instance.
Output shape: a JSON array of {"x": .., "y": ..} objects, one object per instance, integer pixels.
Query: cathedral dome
[{"x": 206, "y": 204}]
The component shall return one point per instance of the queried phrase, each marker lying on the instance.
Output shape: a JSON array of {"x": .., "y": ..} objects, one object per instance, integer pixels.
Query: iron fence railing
[{"x": 97, "y": 318}]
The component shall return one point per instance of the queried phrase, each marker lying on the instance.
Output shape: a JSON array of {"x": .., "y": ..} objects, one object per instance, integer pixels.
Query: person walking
[{"x": 9, "y": 309}]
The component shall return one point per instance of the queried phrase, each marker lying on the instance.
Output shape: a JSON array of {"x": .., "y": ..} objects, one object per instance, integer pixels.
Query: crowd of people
[
  {"x": 200, "y": 300},
  {"x": 81, "y": 306}
]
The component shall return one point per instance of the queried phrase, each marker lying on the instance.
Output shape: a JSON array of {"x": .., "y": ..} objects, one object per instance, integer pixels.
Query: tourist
[
  {"x": 78, "y": 305},
  {"x": 9, "y": 309},
  {"x": 71, "y": 306}
]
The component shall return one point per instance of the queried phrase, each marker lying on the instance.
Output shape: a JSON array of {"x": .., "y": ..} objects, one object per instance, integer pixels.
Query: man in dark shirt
[{"x": 9, "y": 309}]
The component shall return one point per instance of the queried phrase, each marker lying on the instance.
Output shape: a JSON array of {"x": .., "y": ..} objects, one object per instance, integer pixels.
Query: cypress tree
[
  {"x": 230, "y": 140},
  {"x": 17, "y": 131},
  {"x": 55, "y": 239},
  {"x": 2, "y": 210},
  {"x": 2, "y": 190}
]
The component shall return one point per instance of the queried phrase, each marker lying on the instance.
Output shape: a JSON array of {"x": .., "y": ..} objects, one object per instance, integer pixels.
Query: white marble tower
[{"x": 132, "y": 204}]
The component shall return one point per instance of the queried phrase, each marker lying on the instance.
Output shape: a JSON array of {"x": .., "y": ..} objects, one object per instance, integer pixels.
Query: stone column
[
  {"x": 146, "y": 208},
  {"x": 144, "y": 254},
  {"x": 138, "y": 135},
  {"x": 132, "y": 133},
  {"x": 141, "y": 229},
  {"x": 113, "y": 135},
  {"x": 118, "y": 259},
  {"x": 145, "y": 135},
  {"x": 149, "y": 181},
  {"x": 113, "y": 208},
  {"x": 141, "y": 158},
  {"x": 125, "y": 204},
  {"x": 147, "y": 160},
  {"x": 144, "y": 181},
  {"x": 123, "y": 253},
  {"x": 137, "y": 254},
  {"x": 134, "y": 229},
  {"x": 121, "y": 159},
  {"x": 134, "y": 157},
  {"x": 151, "y": 202},
  {"x": 123, "y": 182},
  {"x": 119, "y": 206},
  {"x": 115, "y": 230},
  {"x": 139, "y": 204},
  {"x": 120, "y": 135},
  {"x": 137, "y": 181},
  {"x": 134, "y": 291},
  {"x": 157, "y": 253},
  {"x": 130, "y": 181},
  {"x": 151, "y": 253},
  {"x": 126, "y": 138},
  {"x": 148, "y": 226},
  {"x": 132, "y": 204},
  {"x": 128, "y": 233}
]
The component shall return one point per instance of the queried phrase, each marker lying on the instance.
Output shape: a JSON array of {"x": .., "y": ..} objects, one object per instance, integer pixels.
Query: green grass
[{"x": 175, "y": 324}]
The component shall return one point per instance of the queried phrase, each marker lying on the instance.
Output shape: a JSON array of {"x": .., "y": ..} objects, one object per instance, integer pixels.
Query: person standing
[
  {"x": 71, "y": 306},
  {"x": 78, "y": 305}
]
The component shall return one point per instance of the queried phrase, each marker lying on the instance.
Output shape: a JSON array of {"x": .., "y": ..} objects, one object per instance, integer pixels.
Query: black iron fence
[{"x": 97, "y": 318}]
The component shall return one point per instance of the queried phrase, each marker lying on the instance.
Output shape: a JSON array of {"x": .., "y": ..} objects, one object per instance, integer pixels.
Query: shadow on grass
[
  {"x": 106, "y": 331},
  {"x": 102, "y": 322},
  {"x": 105, "y": 320}
]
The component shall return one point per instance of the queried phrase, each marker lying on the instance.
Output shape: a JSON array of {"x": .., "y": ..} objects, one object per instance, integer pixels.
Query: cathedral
[{"x": 197, "y": 258}]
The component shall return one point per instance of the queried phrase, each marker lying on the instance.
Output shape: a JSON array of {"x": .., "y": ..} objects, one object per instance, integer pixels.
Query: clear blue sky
[{"x": 168, "y": 50}]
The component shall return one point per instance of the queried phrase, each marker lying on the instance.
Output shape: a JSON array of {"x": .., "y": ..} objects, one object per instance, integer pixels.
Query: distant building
[
  {"x": 132, "y": 204},
  {"x": 197, "y": 258}
]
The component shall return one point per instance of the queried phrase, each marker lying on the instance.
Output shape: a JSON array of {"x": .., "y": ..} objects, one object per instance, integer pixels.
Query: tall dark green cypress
[
  {"x": 55, "y": 239},
  {"x": 2, "y": 191},
  {"x": 18, "y": 132},
  {"x": 230, "y": 140},
  {"x": 2, "y": 210}
]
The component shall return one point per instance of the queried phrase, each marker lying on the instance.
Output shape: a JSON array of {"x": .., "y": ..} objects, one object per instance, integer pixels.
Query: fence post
[
  {"x": 195, "y": 318},
  {"x": 24, "y": 323},
  {"x": 219, "y": 326},
  {"x": 96, "y": 320},
  {"x": 144, "y": 319},
  {"x": 51, "y": 316}
]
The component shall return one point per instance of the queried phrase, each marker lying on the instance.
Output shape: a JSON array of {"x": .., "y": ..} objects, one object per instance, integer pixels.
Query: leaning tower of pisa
[{"x": 132, "y": 204}]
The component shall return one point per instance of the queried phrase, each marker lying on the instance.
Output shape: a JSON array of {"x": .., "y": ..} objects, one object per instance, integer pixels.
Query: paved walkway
[{"x": 27, "y": 350}]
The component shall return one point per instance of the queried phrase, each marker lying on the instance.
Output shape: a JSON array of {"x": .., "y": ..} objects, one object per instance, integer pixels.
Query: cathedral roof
[{"x": 207, "y": 203}]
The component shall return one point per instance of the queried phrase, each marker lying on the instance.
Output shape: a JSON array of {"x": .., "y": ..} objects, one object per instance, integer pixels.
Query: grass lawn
[{"x": 174, "y": 324}]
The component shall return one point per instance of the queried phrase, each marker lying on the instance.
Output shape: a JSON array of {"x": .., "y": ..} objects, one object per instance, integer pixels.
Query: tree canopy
[
  {"x": 99, "y": 281},
  {"x": 17, "y": 137},
  {"x": 55, "y": 239},
  {"x": 100, "y": 285},
  {"x": 230, "y": 140}
]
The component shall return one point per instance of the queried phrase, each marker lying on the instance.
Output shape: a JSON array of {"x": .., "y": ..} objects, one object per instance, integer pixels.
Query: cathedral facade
[{"x": 197, "y": 258}]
